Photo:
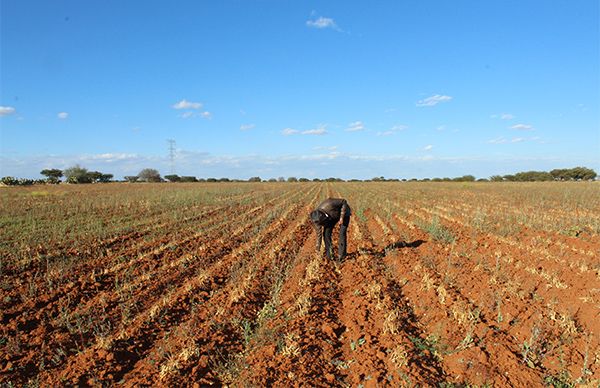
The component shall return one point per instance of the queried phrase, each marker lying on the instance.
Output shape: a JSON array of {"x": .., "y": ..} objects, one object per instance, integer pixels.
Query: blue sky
[{"x": 300, "y": 88}]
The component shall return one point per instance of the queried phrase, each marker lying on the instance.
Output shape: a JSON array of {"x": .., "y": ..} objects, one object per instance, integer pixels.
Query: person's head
[{"x": 318, "y": 217}]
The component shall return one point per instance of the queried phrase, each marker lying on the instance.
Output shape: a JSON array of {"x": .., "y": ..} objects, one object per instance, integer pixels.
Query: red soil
[{"x": 238, "y": 295}]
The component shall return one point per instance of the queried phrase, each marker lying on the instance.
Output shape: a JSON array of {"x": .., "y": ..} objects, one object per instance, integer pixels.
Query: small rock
[{"x": 329, "y": 377}]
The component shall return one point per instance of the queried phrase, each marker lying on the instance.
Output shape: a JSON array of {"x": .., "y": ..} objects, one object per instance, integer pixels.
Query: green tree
[
  {"x": 292, "y": 179},
  {"x": 105, "y": 178},
  {"x": 131, "y": 178},
  {"x": 53, "y": 175},
  {"x": 188, "y": 179},
  {"x": 464, "y": 178},
  {"x": 173, "y": 178},
  {"x": 95, "y": 176},
  {"x": 254, "y": 179},
  {"x": 583, "y": 173},
  {"x": 77, "y": 174},
  {"x": 149, "y": 175}
]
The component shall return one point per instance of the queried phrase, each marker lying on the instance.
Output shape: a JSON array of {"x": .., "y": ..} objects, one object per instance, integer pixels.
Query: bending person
[{"x": 324, "y": 219}]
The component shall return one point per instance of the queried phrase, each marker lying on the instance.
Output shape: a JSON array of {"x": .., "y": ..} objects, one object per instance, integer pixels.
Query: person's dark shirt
[{"x": 335, "y": 209}]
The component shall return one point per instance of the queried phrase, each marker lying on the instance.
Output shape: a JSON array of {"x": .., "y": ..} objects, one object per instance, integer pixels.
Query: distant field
[{"x": 170, "y": 284}]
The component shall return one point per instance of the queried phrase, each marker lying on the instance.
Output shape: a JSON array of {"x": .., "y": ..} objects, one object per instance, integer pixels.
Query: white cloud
[
  {"x": 320, "y": 130},
  {"x": 322, "y": 165},
  {"x": 393, "y": 130},
  {"x": 325, "y": 148},
  {"x": 503, "y": 116},
  {"x": 109, "y": 157},
  {"x": 440, "y": 127},
  {"x": 289, "y": 131},
  {"x": 6, "y": 110},
  {"x": 522, "y": 127},
  {"x": 189, "y": 114},
  {"x": 498, "y": 140},
  {"x": 427, "y": 147},
  {"x": 246, "y": 127},
  {"x": 322, "y": 22},
  {"x": 355, "y": 126},
  {"x": 63, "y": 115},
  {"x": 184, "y": 104},
  {"x": 433, "y": 100},
  {"x": 503, "y": 140}
]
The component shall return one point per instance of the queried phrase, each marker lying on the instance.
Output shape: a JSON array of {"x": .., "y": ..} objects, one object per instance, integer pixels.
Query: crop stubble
[{"x": 480, "y": 284}]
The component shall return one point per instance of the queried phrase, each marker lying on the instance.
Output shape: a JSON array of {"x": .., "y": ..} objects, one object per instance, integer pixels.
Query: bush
[
  {"x": 464, "y": 178},
  {"x": 149, "y": 175},
  {"x": 173, "y": 178},
  {"x": 9, "y": 181},
  {"x": 77, "y": 174}
]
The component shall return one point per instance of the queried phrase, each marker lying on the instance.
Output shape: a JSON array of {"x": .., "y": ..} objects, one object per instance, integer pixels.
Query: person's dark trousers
[
  {"x": 327, "y": 231},
  {"x": 342, "y": 239}
]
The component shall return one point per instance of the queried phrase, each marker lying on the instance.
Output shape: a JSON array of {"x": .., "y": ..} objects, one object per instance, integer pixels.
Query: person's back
[{"x": 324, "y": 218}]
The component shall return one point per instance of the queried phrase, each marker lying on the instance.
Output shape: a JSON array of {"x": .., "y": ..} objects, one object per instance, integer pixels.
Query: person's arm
[
  {"x": 345, "y": 220},
  {"x": 345, "y": 212},
  {"x": 319, "y": 230}
]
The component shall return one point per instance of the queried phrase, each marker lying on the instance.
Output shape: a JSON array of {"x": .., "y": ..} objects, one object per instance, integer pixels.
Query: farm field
[{"x": 445, "y": 284}]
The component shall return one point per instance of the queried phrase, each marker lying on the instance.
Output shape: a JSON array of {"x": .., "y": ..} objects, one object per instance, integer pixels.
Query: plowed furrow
[
  {"x": 232, "y": 303},
  {"x": 458, "y": 325},
  {"x": 176, "y": 265},
  {"x": 137, "y": 342}
]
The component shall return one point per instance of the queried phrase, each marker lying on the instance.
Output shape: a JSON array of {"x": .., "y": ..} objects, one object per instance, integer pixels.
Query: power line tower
[{"x": 172, "y": 154}]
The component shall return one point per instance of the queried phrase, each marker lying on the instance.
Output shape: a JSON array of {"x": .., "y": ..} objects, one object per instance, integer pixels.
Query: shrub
[
  {"x": 149, "y": 175},
  {"x": 77, "y": 174},
  {"x": 9, "y": 181}
]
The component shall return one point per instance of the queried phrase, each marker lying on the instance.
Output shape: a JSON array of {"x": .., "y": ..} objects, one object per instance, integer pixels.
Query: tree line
[{"x": 79, "y": 175}]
